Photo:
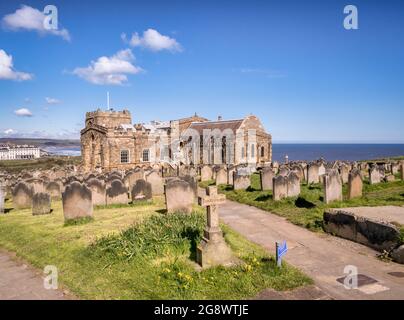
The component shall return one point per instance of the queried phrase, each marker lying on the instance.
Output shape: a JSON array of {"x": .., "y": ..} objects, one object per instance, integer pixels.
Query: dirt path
[
  {"x": 19, "y": 281},
  {"x": 320, "y": 256}
]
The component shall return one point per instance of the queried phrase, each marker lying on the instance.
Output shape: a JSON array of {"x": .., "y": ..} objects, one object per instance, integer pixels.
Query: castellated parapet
[{"x": 109, "y": 118}]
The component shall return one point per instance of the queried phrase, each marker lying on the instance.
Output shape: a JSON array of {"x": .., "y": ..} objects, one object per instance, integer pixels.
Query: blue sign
[{"x": 281, "y": 249}]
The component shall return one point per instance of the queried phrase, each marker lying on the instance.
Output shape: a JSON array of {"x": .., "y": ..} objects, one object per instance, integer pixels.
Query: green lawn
[
  {"x": 137, "y": 252},
  {"x": 15, "y": 166},
  {"x": 307, "y": 209}
]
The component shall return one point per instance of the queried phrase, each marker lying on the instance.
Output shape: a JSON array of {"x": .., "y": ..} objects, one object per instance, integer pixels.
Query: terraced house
[{"x": 110, "y": 141}]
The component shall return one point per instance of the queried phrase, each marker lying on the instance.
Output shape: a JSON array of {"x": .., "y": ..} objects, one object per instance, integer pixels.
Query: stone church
[{"x": 110, "y": 141}]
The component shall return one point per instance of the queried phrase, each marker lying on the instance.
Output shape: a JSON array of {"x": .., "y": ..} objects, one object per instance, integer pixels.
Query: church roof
[{"x": 221, "y": 125}]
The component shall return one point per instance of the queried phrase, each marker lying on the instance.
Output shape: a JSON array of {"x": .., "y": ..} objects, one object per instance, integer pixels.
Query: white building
[{"x": 19, "y": 152}]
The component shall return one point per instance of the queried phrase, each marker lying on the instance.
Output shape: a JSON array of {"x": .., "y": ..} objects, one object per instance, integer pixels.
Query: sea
[{"x": 307, "y": 152}]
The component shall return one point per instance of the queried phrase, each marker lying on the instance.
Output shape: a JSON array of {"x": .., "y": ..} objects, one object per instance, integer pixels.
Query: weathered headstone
[
  {"x": 156, "y": 181},
  {"x": 280, "y": 187},
  {"x": 41, "y": 204},
  {"x": 77, "y": 201},
  {"x": 193, "y": 184},
  {"x": 53, "y": 189},
  {"x": 206, "y": 173},
  {"x": 220, "y": 176},
  {"x": 402, "y": 171},
  {"x": 355, "y": 184},
  {"x": 332, "y": 186},
  {"x": 98, "y": 191},
  {"x": 230, "y": 171},
  {"x": 117, "y": 193},
  {"x": 267, "y": 176},
  {"x": 374, "y": 175},
  {"x": 142, "y": 190},
  {"x": 2, "y": 197},
  {"x": 293, "y": 181},
  {"x": 179, "y": 196},
  {"x": 132, "y": 176},
  {"x": 312, "y": 173},
  {"x": 22, "y": 195},
  {"x": 213, "y": 250},
  {"x": 344, "y": 172},
  {"x": 241, "y": 180}
]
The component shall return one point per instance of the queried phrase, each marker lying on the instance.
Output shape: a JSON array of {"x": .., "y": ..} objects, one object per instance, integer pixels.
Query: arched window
[{"x": 262, "y": 151}]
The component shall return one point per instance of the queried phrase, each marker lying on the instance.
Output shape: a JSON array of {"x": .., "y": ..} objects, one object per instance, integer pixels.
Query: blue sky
[{"x": 292, "y": 63}]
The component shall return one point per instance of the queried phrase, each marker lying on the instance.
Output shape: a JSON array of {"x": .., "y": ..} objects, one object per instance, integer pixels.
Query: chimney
[{"x": 219, "y": 118}]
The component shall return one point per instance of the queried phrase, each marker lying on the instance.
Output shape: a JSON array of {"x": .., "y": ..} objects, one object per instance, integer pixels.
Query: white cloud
[
  {"x": 52, "y": 100},
  {"x": 23, "y": 112},
  {"x": 7, "y": 70},
  {"x": 110, "y": 70},
  {"x": 42, "y": 134},
  {"x": 8, "y": 132},
  {"x": 28, "y": 18},
  {"x": 153, "y": 40}
]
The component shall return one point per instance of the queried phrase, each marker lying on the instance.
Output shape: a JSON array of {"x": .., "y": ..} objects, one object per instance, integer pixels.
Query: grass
[
  {"x": 135, "y": 252},
  {"x": 307, "y": 209},
  {"x": 15, "y": 166}
]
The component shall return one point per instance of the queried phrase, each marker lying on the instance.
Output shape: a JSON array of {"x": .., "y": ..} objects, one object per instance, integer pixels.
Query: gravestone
[
  {"x": 117, "y": 193},
  {"x": 220, "y": 176},
  {"x": 213, "y": 250},
  {"x": 156, "y": 181},
  {"x": 36, "y": 184},
  {"x": 22, "y": 196},
  {"x": 206, "y": 173},
  {"x": 374, "y": 175},
  {"x": 2, "y": 197},
  {"x": 53, "y": 189},
  {"x": 179, "y": 196},
  {"x": 344, "y": 172},
  {"x": 41, "y": 204},
  {"x": 267, "y": 176},
  {"x": 230, "y": 170},
  {"x": 312, "y": 173},
  {"x": 355, "y": 184},
  {"x": 332, "y": 186},
  {"x": 321, "y": 170},
  {"x": 132, "y": 176},
  {"x": 299, "y": 171},
  {"x": 293, "y": 182},
  {"x": 142, "y": 190},
  {"x": 280, "y": 187},
  {"x": 98, "y": 191},
  {"x": 402, "y": 171},
  {"x": 77, "y": 201},
  {"x": 241, "y": 180},
  {"x": 283, "y": 171},
  {"x": 193, "y": 184}
]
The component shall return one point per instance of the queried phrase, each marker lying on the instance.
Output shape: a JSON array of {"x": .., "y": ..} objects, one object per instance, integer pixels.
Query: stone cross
[
  {"x": 213, "y": 249},
  {"x": 211, "y": 202}
]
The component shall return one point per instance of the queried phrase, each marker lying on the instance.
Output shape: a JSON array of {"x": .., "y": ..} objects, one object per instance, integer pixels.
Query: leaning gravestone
[
  {"x": 22, "y": 196},
  {"x": 267, "y": 176},
  {"x": 332, "y": 186},
  {"x": 53, "y": 189},
  {"x": 374, "y": 175},
  {"x": 280, "y": 188},
  {"x": 213, "y": 250},
  {"x": 206, "y": 173},
  {"x": 156, "y": 181},
  {"x": 355, "y": 184},
  {"x": 142, "y": 190},
  {"x": 41, "y": 204},
  {"x": 98, "y": 191},
  {"x": 241, "y": 180},
  {"x": 293, "y": 181},
  {"x": 77, "y": 201},
  {"x": 117, "y": 193},
  {"x": 179, "y": 196},
  {"x": 312, "y": 173}
]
